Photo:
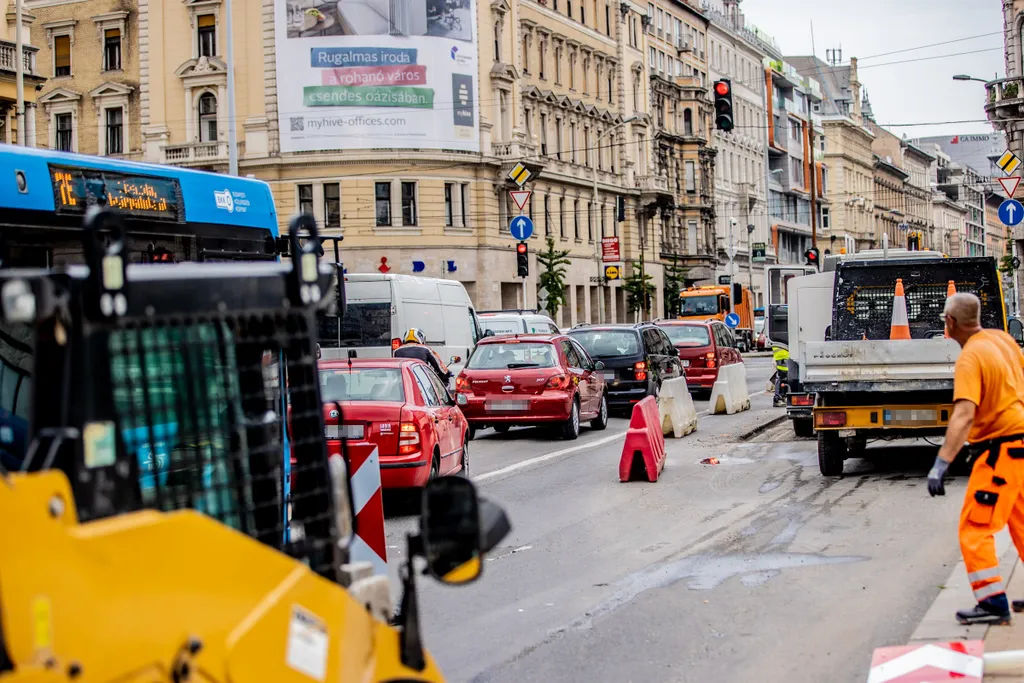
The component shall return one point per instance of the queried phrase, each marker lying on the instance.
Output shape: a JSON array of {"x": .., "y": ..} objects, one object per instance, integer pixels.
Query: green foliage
[
  {"x": 552, "y": 275},
  {"x": 636, "y": 287},
  {"x": 675, "y": 282}
]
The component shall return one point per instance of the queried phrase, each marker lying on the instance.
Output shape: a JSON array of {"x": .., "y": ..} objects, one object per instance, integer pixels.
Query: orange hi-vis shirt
[{"x": 990, "y": 374}]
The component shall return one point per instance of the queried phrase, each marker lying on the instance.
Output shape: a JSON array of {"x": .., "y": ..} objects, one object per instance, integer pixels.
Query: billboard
[{"x": 363, "y": 74}]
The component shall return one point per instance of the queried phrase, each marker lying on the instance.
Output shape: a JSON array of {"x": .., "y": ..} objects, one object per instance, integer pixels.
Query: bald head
[
  {"x": 965, "y": 309},
  {"x": 963, "y": 317}
]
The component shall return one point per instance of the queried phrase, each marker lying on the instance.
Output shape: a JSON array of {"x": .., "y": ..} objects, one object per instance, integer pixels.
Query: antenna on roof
[{"x": 834, "y": 56}]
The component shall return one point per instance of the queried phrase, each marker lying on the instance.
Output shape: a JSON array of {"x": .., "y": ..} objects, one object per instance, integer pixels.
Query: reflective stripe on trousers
[{"x": 993, "y": 500}]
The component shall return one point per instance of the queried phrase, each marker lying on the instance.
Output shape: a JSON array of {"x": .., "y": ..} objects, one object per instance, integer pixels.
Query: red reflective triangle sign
[
  {"x": 520, "y": 197},
  {"x": 1010, "y": 185}
]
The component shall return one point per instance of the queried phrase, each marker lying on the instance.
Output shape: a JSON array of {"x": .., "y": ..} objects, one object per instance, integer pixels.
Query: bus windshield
[
  {"x": 698, "y": 305},
  {"x": 170, "y": 214}
]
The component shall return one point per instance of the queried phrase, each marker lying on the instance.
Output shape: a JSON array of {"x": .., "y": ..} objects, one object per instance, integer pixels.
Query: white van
[
  {"x": 516, "y": 322},
  {"x": 380, "y": 309}
]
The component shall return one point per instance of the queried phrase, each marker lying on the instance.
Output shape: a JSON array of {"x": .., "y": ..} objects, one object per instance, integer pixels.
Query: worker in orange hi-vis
[{"x": 988, "y": 414}]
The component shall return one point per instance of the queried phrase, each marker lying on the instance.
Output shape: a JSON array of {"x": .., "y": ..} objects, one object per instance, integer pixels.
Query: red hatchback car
[
  {"x": 530, "y": 380},
  {"x": 399, "y": 405},
  {"x": 703, "y": 349}
]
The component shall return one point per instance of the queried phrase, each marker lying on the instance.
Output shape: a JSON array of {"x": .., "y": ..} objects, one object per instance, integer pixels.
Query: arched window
[
  {"x": 687, "y": 122},
  {"x": 207, "y": 117}
]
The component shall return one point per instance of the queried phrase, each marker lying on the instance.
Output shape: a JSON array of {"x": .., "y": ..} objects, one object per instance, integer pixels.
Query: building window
[
  {"x": 561, "y": 217},
  {"x": 306, "y": 199},
  {"x": 332, "y": 205},
  {"x": 572, "y": 142},
  {"x": 61, "y": 56},
  {"x": 547, "y": 216},
  {"x": 607, "y": 19},
  {"x": 64, "y": 138},
  {"x": 558, "y": 65},
  {"x": 687, "y": 122},
  {"x": 497, "y": 41},
  {"x": 207, "y": 35},
  {"x": 544, "y": 134},
  {"x": 583, "y": 11},
  {"x": 572, "y": 71},
  {"x": 112, "y": 49},
  {"x": 541, "y": 45},
  {"x": 207, "y": 117},
  {"x": 464, "y": 203},
  {"x": 558, "y": 139},
  {"x": 691, "y": 176},
  {"x": 526, "y": 54},
  {"x": 408, "y": 203},
  {"x": 590, "y": 222},
  {"x": 576, "y": 219},
  {"x": 568, "y": 8},
  {"x": 826, "y": 223},
  {"x": 115, "y": 130},
  {"x": 382, "y": 199},
  {"x": 449, "y": 216},
  {"x": 611, "y": 80}
]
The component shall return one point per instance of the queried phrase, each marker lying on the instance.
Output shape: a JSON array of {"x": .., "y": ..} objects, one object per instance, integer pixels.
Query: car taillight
[
  {"x": 711, "y": 358},
  {"x": 408, "y": 439},
  {"x": 640, "y": 371},
  {"x": 395, "y": 343},
  {"x": 558, "y": 382},
  {"x": 830, "y": 419},
  {"x": 801, "y": 399},
  {"x": 461, "y": 383}
]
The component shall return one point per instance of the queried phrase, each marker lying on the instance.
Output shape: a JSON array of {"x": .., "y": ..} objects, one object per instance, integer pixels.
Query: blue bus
[{"x": 169, "y": 213}]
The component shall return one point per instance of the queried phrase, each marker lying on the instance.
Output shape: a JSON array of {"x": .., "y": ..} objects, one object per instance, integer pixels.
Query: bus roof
[{"x": 210, "y": 198}]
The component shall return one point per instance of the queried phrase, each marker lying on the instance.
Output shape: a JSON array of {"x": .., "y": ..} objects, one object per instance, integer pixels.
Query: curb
[{"x": 746, "y": 436}]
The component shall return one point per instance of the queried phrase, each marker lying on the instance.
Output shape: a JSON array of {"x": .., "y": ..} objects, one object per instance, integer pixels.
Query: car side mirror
[
  {"x": 454, "y": 359},
  {"x": 457, "y": 529},
  {"x": 488, "y": 333},
  {"x": 319, "y": 353},
  {"x": 599, "y": 365}
]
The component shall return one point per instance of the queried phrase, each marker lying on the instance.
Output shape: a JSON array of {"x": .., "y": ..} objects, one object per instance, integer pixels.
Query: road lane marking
[{"x": 548, "y": 456}]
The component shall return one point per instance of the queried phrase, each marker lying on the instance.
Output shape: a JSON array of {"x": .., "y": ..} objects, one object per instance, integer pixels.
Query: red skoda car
[
  {"x": 530, "y": 380},
  {"x": 703, "y": 349},
  {"x": 401, "y": 406}
]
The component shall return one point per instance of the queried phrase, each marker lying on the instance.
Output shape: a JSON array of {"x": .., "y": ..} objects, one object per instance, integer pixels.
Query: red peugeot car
[
  {"x": 530, "y": 380},
  {"x": 703, "y": 349},
  {"x": 399, "y": 405}
]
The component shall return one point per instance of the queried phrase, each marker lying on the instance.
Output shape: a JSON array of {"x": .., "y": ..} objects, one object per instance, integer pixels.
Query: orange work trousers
[{"x": 995, "y": 498}]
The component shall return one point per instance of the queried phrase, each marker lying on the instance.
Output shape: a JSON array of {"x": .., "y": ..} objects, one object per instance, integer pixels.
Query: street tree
[
  {"x": 675, "y": 282},
  {"x": 639, "y": 288},
  {"x": 552, "y": 275}
]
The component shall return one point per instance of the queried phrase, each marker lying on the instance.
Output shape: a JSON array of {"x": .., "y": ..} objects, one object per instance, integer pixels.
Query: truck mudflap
[{"x": 881, "y": 417}]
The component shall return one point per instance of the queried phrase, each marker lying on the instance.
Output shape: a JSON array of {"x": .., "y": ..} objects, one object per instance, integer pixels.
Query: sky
[{"x": 919, "y": 90}]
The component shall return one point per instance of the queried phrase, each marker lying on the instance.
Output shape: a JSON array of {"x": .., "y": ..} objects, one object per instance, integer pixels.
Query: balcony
[
  {"x": 512, "y": 150},
  {"x": 654, "y": 190},
  {"x": 1004, "y": 100},
  {"x": 7, "y": 58},
  {"x": 196, "y": 153}
]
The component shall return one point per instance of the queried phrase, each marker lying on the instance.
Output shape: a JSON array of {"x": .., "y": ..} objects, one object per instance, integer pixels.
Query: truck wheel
[
  {"x": 803, "y": 426},
  {"x": 831, "y": 454}
]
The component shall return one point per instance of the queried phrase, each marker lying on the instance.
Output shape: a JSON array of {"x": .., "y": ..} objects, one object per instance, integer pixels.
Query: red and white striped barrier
[
  {"x": 965, "y": 661},
  {"x": 368, "y": 544}
]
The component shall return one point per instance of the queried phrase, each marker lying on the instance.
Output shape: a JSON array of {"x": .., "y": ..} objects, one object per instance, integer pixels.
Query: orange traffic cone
[
  {"x": 950, "y": 291},
  {"x": 900, "y": 323}
]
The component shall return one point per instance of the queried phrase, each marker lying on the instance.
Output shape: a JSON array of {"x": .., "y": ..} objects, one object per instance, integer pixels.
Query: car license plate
[
  {"x": 497, "y": 406},
  {"x": 351, "y": 432},
  {"x": 909, "y": 417},
  {"x": 610, "y": 375},
  {"x": 686, "y": 363}
]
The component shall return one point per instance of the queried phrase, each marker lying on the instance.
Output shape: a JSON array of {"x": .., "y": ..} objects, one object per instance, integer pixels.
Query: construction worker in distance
[
  {"x": 781, "y": 356},
  {"x": 988, "y": 413},
  {"x": 415, "y": 346}
]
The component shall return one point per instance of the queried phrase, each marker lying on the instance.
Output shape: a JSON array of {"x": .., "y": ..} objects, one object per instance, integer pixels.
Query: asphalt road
[{"x": 755, "y": 569}]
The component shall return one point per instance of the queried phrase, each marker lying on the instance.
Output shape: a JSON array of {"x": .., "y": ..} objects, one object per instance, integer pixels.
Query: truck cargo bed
[{"x": 878, "y": 365}]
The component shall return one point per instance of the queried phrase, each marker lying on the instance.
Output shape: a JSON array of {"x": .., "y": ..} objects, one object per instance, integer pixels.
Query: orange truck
[{"x": 711, "y": 302}]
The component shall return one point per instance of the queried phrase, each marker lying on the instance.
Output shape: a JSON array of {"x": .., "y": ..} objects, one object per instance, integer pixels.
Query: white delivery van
[
  {"x": 516, "y": 322},
  {"x": 380, "y": 309}
]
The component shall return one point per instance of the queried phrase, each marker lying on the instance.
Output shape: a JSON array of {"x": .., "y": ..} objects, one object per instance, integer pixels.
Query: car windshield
[
  {"x": 362, "y": 384},
  {"x": 609, "y": 343},
  {"x": 698, "y": 305},
  {"x": 689, "y": 335},
  {"x": 512, "y": 355}
]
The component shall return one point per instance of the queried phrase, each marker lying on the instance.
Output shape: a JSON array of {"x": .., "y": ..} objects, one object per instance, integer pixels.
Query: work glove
[{"x": 935, "y": 475}]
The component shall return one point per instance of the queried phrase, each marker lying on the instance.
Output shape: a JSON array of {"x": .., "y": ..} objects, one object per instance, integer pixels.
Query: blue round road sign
[
  {"x": 1011, "y": 212},
  {"x": 521, "y": 228},
  {"x": 732, "y": 321}
]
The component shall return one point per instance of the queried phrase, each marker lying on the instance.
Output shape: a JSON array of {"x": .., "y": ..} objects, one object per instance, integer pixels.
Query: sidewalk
[{"x": 939, "y": 623}]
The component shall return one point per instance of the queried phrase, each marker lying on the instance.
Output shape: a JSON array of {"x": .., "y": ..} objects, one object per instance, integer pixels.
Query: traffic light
[
  {"x": 522, "y": 260},
  {"x": 160, "y": 255},
  {"x": 723, "y": 104},
  {"x": 811, "y": 257}
]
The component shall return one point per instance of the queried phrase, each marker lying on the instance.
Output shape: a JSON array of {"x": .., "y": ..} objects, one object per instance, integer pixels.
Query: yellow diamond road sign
[
  {"x": 611, "y": 272},
  {"x": 1008, "y": 162},
  {"x": 520, "y": 174}
]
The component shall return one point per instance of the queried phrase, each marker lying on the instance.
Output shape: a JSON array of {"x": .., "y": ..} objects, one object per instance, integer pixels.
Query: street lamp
[
  {"x": 593, "y": 168},
  {"x": 965, "y": 77}
]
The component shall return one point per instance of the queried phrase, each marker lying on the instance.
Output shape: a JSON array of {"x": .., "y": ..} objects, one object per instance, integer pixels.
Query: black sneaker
[{"x": 983, "y": 614}]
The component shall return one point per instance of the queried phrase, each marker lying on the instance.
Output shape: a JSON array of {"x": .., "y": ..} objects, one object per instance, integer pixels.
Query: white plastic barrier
[
  {"x": 675, "y": 408},
  {"x": 729, "y": 394}
]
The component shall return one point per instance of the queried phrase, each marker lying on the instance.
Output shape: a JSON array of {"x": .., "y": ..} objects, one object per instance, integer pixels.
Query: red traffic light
[
  {"x": 722, "y": 88},
  {"x": 812, "y": 256},
  {"x": 521, "y": 248}
]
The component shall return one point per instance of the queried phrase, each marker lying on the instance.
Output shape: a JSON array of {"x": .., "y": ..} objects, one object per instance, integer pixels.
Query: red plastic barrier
[{"x": 644, "y": 450}]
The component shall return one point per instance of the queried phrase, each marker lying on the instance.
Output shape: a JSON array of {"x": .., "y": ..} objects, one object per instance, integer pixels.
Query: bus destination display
[{"x": 132, "y": 195}]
